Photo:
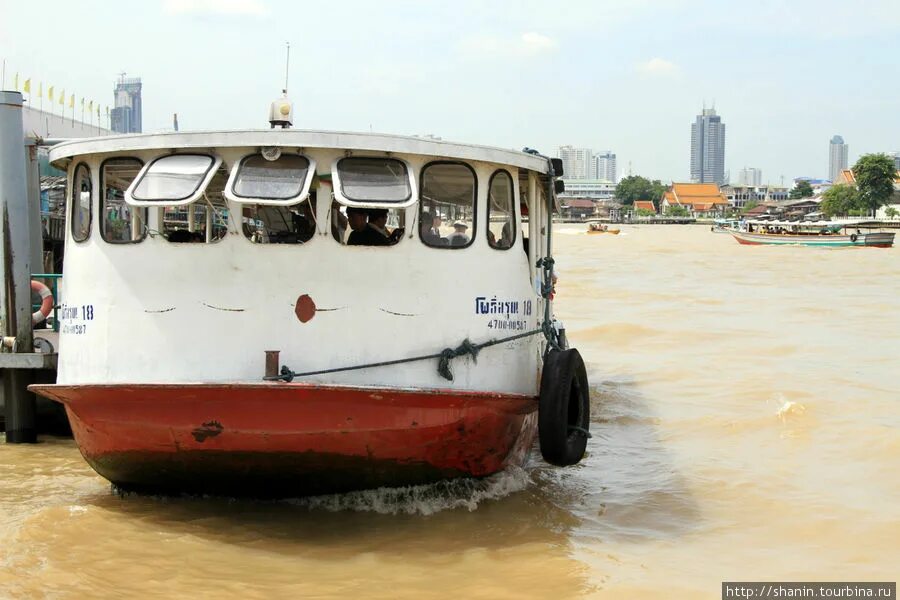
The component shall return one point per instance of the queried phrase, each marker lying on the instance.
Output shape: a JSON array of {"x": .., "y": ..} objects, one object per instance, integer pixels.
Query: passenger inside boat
[
  {"x": 459, "y": 237},
  {"x": 436, "y": 226},
  {"x": 370, "y": 228},
  {"x": 267, "y": 224},
  {"x": 427, "y": 229}
]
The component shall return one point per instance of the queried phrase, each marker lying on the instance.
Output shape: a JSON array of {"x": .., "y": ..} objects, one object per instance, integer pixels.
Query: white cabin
[{"x": 188, "y": 255}]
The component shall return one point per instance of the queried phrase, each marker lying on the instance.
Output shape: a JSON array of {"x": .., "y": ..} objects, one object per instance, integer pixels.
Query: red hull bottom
[{"x": 285, "y": 440}]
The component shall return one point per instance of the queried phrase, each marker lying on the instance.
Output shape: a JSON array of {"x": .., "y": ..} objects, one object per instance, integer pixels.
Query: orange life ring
[{"x": 46, "y": 302}]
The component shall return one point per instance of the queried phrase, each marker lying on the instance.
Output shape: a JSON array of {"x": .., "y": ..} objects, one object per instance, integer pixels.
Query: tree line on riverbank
[{"x": 874, "y": 173}]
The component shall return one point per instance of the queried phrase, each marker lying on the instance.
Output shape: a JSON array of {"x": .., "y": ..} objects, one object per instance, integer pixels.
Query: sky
[{"x": 623, "y": 75}]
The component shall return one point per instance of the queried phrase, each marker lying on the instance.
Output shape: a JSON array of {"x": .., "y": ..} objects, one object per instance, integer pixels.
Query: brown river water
[{"x": 746, "y": 421}]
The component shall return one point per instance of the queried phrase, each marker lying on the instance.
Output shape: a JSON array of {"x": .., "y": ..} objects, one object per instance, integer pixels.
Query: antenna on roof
[
  {"x": 287, "y": 65},
  {"x": 281, "y": 111}
]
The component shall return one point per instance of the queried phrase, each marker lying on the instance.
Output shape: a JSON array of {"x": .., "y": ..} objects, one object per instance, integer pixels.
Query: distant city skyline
[
  {"x": 584, "y": 163},
  {"x": 837, "y": 157},
  {"x": 750, "y": 176},
  {"x": 577, "y": 162},
  {"x": 605, "y": 166},
  {"x": 708, "y": 148},
  {"x": 127, "y": 113},
  {"x": 467, "y": 71}
]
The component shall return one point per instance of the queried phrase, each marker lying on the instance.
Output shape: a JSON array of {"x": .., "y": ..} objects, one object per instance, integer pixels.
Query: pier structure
[{"x": 20, "y": 249}]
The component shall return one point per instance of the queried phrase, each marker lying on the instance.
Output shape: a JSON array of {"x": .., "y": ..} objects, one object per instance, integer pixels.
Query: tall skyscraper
[
  {"x": 605, "y": 166},
  {"x": 126, "y": 116},
  {"x": 750, "y": 176},
  {"x": 577, "y": 163},
  {"x": 896, "y": 157},
  {"x": 708, "y": 148},
  {"x": 837, "y": 157}
]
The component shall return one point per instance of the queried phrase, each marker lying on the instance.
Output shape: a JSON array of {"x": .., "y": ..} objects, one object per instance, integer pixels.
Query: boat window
[
  {"x": 120, "y": 223},
  {"x": 283, "y": 181},
  {"x": 176, "y": 178},
  {"x": 447, "y": 207},
  {"x": 501, "y": 231},
  {"x": 81, "y": 203},
  {"x": 523, "y": 207},
  {"x": 202, "y": 221},
  {"x": 353, "y": 226},
  {"x": 371, "y": 180},
  {"x": 266, "y": 224}
]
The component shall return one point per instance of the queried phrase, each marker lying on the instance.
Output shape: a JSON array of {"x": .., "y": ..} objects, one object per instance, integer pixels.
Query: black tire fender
[
  {"x": 564, "y": 408},
  {"x": 852, "y": 237}
]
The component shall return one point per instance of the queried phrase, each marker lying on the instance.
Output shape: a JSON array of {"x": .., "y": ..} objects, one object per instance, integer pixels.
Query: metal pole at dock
[{"x": 15, "y": 250}]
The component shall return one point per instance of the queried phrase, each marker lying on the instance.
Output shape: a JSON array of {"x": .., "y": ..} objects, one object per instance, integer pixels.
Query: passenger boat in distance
[
  {"x": 596, "y": 227},
  {"x": 280, "y": 312},
  {"x": 830, "y": 234},
  {"x": 725, "y": 225}
]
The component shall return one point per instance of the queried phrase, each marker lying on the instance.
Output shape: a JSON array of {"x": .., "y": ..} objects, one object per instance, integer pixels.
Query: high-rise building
[
  {"x": 837, "y": 157},
  {"x": 896, "y": 157},
  {"x": 577, "y": 162},
  {"x": 750, "y": 176},
  {"x": 126, "y": 116},
  {"x": 605, "y": 166},
  {"x": 708, "y": 148}
]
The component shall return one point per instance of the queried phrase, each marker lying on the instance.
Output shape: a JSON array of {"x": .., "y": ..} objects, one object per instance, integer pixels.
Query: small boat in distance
[
  {"x": 596, "y": 227},
  {"x": 725, "y": 225},
  {"x": 831, "y": 234}
]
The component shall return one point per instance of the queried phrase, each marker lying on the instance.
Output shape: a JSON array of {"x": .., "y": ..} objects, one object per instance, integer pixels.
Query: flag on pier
[
  {"x": 62, "y": 97},
  {"x": 27, "y": 86},
  {"x": 50, "y": 93},
  {"x": 72, "y": 101}
]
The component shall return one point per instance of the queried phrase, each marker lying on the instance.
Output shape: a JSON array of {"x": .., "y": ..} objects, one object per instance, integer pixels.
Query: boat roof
[
  {"x": 298, "y": 138},
  {"x": 822, "y": 223}
]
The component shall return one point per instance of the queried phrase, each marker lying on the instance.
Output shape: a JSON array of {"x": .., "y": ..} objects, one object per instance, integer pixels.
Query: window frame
[
  {"x": 184, "y": 201},
  {"x": 338, "y": 192},
  {"x": 512, "y": 208},
  {"x": 102, "y": 206},
  {"x": 474, "y": 203},
  {"x": 75, "y": 199},
  {"x": 233, "y": 196}
]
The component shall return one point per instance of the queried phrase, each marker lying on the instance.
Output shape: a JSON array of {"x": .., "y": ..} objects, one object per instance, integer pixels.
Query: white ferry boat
[{"x": 284, "y": 312}]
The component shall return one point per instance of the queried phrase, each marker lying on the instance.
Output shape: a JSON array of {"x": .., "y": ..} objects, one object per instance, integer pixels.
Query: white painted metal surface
[
  {"x": 161, "y": 312},
  {"x": 299, "y": 138}
]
